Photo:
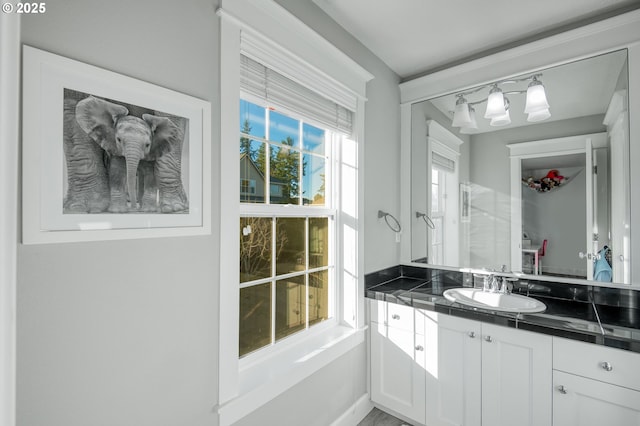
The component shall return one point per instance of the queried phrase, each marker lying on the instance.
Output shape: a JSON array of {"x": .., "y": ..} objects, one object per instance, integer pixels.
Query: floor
[{"x": 380, "y": 418}]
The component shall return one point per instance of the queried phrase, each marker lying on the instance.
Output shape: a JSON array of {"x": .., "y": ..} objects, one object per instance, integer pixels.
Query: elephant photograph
[{"x": 123, "y": 158}]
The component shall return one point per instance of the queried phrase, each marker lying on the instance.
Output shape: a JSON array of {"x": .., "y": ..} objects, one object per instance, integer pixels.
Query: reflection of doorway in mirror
[{"x": 578, "y": 210}]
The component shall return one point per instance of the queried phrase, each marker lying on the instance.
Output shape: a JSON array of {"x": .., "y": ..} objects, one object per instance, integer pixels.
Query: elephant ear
[
  {"x": 97, "y": 118},
  {"x": 165, "y": 135}
]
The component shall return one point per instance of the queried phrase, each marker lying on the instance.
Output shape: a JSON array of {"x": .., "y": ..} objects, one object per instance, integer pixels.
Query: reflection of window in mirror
[
  {"x": 438, "y": 211},
  {"x": 443, "y": 243}
]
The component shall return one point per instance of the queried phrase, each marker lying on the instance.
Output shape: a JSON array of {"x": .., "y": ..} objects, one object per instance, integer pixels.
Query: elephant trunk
[{"x": 132, "y": 161}]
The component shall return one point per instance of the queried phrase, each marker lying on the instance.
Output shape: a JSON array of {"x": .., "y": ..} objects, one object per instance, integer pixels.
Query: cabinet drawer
[
  {"x": 397, "y": 316},
  {"x": 598, "y": 362},
  {"x": 578, "y": 401}
]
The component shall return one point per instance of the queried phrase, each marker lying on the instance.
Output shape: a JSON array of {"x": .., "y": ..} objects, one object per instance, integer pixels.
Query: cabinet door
[
  {"x": 397, "y": 370},
  {"x": 453, "y": 367},
  {"x": 578, "y": 401},
  {"x": 516, "y": 377}
]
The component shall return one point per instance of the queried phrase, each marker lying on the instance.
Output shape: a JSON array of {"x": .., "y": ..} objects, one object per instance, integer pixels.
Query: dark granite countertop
[{"x": 593, "y": 314}]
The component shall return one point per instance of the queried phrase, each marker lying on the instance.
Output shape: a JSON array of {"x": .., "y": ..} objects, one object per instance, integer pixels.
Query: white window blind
[
  {"x": 443, "y": 163},
  {"x": 280, "y": 91}
]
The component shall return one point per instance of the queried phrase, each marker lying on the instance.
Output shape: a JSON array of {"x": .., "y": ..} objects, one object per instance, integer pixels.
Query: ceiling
[{"x": 416, "y": 37}]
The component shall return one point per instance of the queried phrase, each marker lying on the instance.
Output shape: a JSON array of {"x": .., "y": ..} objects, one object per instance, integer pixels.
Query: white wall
[{"x": 124, "y": 332}]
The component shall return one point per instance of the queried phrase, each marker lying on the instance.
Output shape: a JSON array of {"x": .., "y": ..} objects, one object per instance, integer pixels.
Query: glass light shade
[
  {"x": 461, "y": 116},
  {"x": 538, "y": 115},
  {"x": 473, "y": 124},
  {"x": 503, "y": 120},
  {"x": 495, "y": 104},
  {"x": 536, "y": 98}
]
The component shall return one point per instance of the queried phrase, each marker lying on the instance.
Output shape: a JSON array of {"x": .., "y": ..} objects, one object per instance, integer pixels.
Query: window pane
[
  {"x": 255, "y": 317},
  {"x": 435, "y": 198},
  {"x": 318, "y": 242},
  {"x": 290, "y": 245},
  {"x": 313, "y": 174},
  {"x": 252, "y": 119},
  {"x": 318, "y": 297},
  {"x": 252, "y": 171},
  {"x": 437, "y": 230},
  {"x": 312, "y": 139},
  {"x": 284, "y": 129},
  {"x": 284, "y": 175},
  {"x": 291, "y": 308},
  {"x": 255, "y": 248}
]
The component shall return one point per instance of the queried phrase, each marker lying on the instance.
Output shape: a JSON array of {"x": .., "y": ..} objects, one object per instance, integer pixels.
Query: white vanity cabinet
[
  {"x": 442, "y": 370},
  {"x": 483, "y": 374},
  {"x": 594, "y": 385},
  {"x": 397, "y": 359},
  {"x": 516, "y": 377},
  {"x": 453, "y": 370}
]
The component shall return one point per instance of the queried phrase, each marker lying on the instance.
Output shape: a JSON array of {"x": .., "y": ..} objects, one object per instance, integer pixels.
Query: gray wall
[
  {"x": 560, "y": 217},
  {"x": 125, "y": 332}
]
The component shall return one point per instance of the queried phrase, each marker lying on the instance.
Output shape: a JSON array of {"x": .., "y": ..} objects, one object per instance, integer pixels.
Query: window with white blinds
[
  {"x": 443, "y": 163},
  {"x": 280, "y": 91}
]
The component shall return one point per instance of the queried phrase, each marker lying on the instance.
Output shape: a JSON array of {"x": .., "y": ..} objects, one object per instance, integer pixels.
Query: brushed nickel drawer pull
[
  {"x": 562, "y": 389},
  {"x": 395, "y": 316},
  {"x": 472, "y": 334},
  {"x": 488, "y": 339},
  {"x": 419, "y": 348},
  {"x": 607, "y": 366}
]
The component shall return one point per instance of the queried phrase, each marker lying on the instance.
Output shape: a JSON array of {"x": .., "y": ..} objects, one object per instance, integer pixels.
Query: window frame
[
  {"x": 266, "y": 209},
  {"x": 262, "y": 30}
]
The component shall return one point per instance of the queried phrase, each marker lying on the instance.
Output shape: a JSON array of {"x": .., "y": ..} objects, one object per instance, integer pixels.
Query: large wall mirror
[{"x": 536, "y": 188}]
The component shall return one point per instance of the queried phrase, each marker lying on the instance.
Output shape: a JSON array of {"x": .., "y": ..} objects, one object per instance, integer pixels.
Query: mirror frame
[{"x": 618, "y": 32}]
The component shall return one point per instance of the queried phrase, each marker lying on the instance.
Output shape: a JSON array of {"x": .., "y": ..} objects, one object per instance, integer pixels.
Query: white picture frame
[{"x": 48, "y": 81}]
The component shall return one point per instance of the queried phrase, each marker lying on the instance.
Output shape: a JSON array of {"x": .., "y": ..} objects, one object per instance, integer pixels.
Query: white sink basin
[{"x": 494, "y": 301}]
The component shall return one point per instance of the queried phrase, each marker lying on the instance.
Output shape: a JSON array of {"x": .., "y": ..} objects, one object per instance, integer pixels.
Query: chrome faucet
[
  {"x": 505, "y": 286},
  {"x": 493, "y": 284},
  {"x": 490, "y": 283}
]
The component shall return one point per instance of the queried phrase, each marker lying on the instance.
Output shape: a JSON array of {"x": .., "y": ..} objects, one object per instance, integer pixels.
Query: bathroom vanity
[{"x": 437, "y": 362}]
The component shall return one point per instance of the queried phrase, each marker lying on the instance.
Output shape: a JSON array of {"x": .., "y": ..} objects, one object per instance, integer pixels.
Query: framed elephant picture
[{"x": 106, "y": 156}]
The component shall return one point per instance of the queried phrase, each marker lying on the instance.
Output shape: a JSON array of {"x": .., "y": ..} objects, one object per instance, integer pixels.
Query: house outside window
[{"x": 247, "y": 186}]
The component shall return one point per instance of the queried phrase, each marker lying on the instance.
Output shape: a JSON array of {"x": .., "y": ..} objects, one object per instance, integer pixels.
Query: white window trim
[
  {"x": 9, "y": 119},
  {"x": 268, "y": 27}
]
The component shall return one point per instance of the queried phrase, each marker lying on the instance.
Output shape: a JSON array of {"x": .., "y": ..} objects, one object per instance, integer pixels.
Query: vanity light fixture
[{"x": 497, "y": 110}]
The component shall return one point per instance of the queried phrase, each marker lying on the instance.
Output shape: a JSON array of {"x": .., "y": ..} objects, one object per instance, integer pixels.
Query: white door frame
[
  {"x": 536, "y": 149},
  {"x": 9, "y": 137}
]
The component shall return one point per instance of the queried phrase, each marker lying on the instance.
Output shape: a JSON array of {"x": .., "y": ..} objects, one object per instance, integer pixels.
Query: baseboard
[{"x": 354, "y": 414}]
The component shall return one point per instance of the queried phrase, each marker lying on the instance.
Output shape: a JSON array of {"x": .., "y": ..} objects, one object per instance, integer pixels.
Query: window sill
[{"x": 263, "y": 381}]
